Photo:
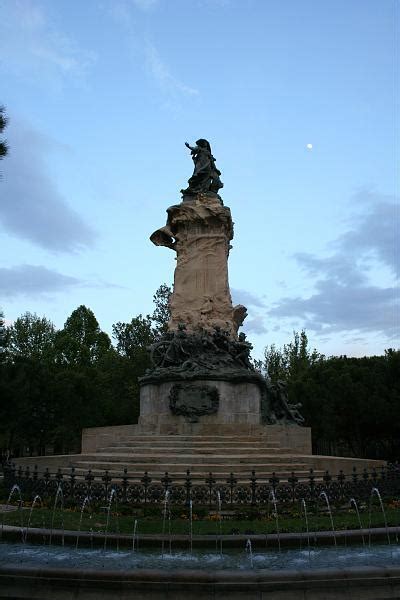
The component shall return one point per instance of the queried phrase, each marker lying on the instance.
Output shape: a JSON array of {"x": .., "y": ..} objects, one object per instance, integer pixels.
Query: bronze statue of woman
[{"x": 205, "y": 176}]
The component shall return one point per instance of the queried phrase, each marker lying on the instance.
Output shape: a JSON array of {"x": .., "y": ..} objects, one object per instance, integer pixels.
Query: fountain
[
  {"x": 268, "y": 569},
  {"x": 202, "y": 384}
]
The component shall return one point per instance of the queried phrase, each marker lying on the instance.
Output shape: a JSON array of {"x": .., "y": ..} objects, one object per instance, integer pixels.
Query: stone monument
[{"x": 202, "y": 377}]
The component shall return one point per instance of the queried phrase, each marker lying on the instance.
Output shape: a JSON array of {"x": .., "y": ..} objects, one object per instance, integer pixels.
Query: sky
[{"x": 298, "y": 100}]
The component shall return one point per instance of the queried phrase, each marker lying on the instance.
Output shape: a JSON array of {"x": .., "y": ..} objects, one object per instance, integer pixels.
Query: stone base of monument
[{"x": 199, "y": 406}]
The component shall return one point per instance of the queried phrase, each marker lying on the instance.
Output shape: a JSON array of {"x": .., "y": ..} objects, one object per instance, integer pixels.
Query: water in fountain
[
  {"x": 15, "y": 489},
  {"x": 135, "y": 538},
  {"x": 324, "y": 495},
  {"x": 378, "y": 494},
  {"x": 59, "y": 495},
  {"x": 166, "y": 511},
  {"x": 191, "y": 525},
  {"x": 219, "y": 524},
  {"x": 113, "y": 496},
  {"x": 249, "y": 552},
  {"x": 354, "y": 503},
  {"x": 85, "y": 503},
  {"x": 36, "y": 499},
  {"x": 303, "y": 509},
  {"x": 272, "y": 497}
]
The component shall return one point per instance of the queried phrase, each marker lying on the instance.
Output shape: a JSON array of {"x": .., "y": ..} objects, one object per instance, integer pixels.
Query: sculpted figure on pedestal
[{"x": 205, "y": 176}]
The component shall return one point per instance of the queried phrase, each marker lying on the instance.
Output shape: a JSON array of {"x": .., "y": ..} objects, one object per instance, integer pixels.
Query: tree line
[
  {"x": 351, "y": 404},
  {"x": 55, "y": 382}
]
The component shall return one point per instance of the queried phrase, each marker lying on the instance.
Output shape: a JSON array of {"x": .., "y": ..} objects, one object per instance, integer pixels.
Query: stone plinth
[{"x": 238, "y": 408}]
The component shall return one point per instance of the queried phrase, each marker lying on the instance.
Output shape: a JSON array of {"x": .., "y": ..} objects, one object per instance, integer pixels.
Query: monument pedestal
[{"x": 199, "y": 407}]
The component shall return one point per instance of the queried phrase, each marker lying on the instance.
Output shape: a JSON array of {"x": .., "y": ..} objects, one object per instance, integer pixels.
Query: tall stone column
[{"x": 200, "y": 230}]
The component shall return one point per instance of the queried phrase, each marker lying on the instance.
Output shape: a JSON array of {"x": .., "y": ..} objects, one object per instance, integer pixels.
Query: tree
[
  {"x": 31, "y": 337},
  {"x": 3, "y": 337},
  {"x": 289, "y": 362},
  {"x": 81, "y": 342},
  {"x": 3, "y": 124},
  {"x": 162, "y": 312}
]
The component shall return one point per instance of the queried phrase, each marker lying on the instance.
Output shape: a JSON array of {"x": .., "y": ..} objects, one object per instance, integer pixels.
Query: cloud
[
  {"x": 36, "y": 280},
  {"x": 246, "y": 298},
  {"x": 346, "y": 296},
  {"x": 255, "y": 325},
  {"x": 31, "y": 44},
  {"x": 161, "y": 74},
  {"x": 254, "y": 322},
  {"x": 336, "y": 308},
  {"x": 377, "y": 233},
  {"x": 31, "y": 280},
  {"x": 31, "y": 207}
]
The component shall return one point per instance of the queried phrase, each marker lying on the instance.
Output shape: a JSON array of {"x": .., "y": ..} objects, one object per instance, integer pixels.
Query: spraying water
[
  {"x": 249, "y": 552},
  {"x": 324, "y": 495},
  {"x": 15, "y": 489},
  {"x": 354, "y": 503},
  {"x": 304, "y": 510},
  {"x": 84, "y": 504},
  {"x": 35, "y": 500},
  {"x": 59, "y": 495},
  {"x": 113, "y": 496},
  {"x": 272, "y": 497},
  {"x": 219, "y": 525},
  {"x": 191, "y": 525},
  {"x": 135, "y": 540},
  {"x": 377, "y": 493},
  {"x": 165, "y": 512}
]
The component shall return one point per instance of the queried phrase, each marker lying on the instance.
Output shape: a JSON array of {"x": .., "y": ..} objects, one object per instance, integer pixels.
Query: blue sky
[{"x": 103, "y": 94}]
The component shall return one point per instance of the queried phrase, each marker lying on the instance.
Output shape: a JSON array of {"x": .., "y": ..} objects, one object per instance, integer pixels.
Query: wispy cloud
[
  {"x": 36, "y": 280},
  {"x": 31, "y": 206},
  {"x": 246, "y": 298},
  {"x": 162, "y": 75},
  {"x": 33, "y": 281},
  {"x": 346, "y": 299},
  {"x": 30, "y": 44},
  {"x": 255, "y": 321},
  {"x": 126, "y": 14}
]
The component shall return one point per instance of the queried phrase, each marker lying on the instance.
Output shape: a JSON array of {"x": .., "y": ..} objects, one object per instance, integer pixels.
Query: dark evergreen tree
[{"x": 3, "y": 124}]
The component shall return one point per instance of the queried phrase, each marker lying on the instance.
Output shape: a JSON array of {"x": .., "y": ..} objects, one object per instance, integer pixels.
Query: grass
[{"x": 252, "y": 523}]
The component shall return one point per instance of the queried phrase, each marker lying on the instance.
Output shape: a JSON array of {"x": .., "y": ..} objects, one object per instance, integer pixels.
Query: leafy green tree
[
  {"x": 3, "y": 124},
  {"x": 81, "y": 342},
  {"x": 162, "y": 312},
  {"x": 3, "y": 338},
  {"x": 31, "y": 337},
  {"x": 134, "y": 338},
  {"x": 287, "y": 363}
]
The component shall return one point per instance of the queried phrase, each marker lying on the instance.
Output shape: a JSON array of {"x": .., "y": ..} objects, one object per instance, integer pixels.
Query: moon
[{"x": 309, "y": 146}]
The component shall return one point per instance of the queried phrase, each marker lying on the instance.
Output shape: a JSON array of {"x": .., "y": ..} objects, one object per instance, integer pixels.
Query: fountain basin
[
  {"x": 30, "y": 571},
  {"x": 45, "y": 583}
]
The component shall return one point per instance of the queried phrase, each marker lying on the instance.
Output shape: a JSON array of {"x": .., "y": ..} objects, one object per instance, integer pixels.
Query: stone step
[
  {"x": 226, "y": 452},
  {"x": 190, "y": 444},
  {"x": 193, "y": 467},
  {"x": 187, "y": 459},
  {"x": 200, "y": 438},
  {"x": 198, "y": 476}
]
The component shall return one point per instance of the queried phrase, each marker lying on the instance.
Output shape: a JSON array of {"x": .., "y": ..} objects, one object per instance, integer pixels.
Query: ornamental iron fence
[{"x": 233, "y": 491}]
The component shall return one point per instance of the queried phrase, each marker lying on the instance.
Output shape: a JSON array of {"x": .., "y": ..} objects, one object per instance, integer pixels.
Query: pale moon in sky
[{"x": 309, "y": 146}]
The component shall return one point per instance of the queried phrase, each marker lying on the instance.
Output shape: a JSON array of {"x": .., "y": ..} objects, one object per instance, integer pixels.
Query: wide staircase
[{"x": 220, "y": 455}]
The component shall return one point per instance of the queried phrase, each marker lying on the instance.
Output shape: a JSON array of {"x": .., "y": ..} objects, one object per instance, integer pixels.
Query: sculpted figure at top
[{"x": 205, "y": 176}]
